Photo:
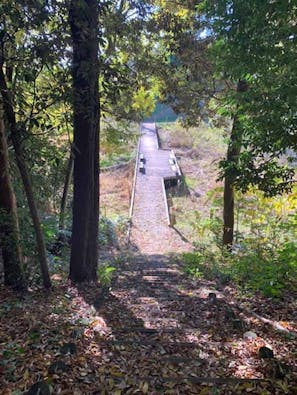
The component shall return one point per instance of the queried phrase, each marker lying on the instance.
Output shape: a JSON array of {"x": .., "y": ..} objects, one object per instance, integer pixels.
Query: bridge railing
[{"x": 133, "y": 189}]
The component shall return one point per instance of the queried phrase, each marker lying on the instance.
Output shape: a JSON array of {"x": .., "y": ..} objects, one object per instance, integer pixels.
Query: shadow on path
[{"x": 165, "y": 334}]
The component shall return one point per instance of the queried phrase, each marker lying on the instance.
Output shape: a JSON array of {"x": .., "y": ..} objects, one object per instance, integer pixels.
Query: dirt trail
[
  {"x": 150, "y": 232},
  {"x": 163, "y": 334}
]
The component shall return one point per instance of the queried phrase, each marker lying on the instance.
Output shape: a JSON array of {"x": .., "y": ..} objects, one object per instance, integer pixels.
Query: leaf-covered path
[
  {"x": 169, "y": 335},
  {"x": 155, "y": 332}
]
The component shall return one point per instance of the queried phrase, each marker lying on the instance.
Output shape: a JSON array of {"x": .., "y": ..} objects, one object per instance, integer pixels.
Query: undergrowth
[
  {"x": 118, "y": 140},
  {"x": 112, "y": 235},
  {"x": 264, "y": 256}
]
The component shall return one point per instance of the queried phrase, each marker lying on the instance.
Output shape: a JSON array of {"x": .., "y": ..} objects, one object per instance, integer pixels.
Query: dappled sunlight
[
  {"x": 167, "y": 329},
  {"x": 155, "y": 328}
]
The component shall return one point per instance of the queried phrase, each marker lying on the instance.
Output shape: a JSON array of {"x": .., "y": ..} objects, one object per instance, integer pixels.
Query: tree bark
[
  {"x": 83, "y": 17},
  {"x": 232, "y": 157},
  {"x": 9, "y": 226},
  {"x": 25, "y": 175},
  {"x": 233, "y": 153},
  {"x": 68, "y": 177}
]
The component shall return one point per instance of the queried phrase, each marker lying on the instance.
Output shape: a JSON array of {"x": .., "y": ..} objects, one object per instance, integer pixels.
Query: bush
[
  {"x": 255, "y": 267},
  {"x": 105, "y": 275},
  {"x": 107, "y": 232},
  {"x": 265, "y": 259}
]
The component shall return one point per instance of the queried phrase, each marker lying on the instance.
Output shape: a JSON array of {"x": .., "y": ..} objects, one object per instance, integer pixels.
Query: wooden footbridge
[{"x": 151, "y": 230}]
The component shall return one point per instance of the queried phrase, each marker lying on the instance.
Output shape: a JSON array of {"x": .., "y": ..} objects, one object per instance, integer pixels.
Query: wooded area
[{"x": 77, "y": 77}]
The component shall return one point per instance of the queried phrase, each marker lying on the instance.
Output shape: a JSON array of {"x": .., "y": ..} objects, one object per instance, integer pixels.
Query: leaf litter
[{"x": 156, "y": 332}]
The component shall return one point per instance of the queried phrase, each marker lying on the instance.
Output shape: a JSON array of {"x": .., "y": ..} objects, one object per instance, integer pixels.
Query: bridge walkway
[{"x": 150, "y": 232}]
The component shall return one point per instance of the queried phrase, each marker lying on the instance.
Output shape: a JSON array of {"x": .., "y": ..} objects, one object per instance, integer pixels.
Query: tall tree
[
  {"x": 8, "y": 49},
  {"x": 16, "y": 133},
  {"x": 221, "y": 43},
  {"x": 232, "y": 161},
  {"x": 83, "y": 18},
  {"x": 254, "y": 42},
  {"x": 9, "y": 227}
]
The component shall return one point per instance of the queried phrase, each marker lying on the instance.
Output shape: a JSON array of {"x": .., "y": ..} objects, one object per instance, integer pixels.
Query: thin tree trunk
[
  {"x": 68, "y": 177},
  {"x": 83, "y": 17},
  {"x": 23, "y": 169},
  {"x": 233, "y": 153},
  {"x": 232, "y": 157},
  {"x": 9, "y": 226}
]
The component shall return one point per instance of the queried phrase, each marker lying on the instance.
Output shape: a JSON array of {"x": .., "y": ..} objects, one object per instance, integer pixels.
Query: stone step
[
  {"x": 202, "y": 380},
  {"x": 151, "y": 331},
  {"x": 162, "y": 296},
  {"x": 160, "y": 274},
  {"x": 152, "y": 343}
]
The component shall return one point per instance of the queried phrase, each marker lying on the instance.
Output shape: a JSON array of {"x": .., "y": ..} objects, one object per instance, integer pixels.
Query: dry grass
[
  {"x": 178, "y": 138},
  {"x": 115, "y": 191},
  {"x": 199, "y": 164}
]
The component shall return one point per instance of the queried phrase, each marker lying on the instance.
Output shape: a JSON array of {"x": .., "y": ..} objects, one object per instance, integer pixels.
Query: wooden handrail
[
  {"x": 134, "y": 181},
  {"x": 166, "y": 203}
]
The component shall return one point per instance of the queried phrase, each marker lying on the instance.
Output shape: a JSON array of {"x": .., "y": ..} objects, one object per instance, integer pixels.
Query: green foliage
[
  {"x": 254, "y": 44},
  {"x": 118, "y": 140},
  {"x": 208, "y": 228},
  {"x": 107, "y": 232},
  {"x": 113, "y": 160},
  {"x": 48, "y": 162},
  {"x": 143, "y": 102},
  {"x": 124, "y": 81},
  {"x": 122, "y": 223},
  {"x": 265, "y": 258},
  {"x": 184, "y": 70},
  {"x": 255, "y": 267},
  {"x": 193, "y": 264},
  {"x": 190, "y": 182},
  {"x": 262, "y": 270},
  {"x": 105, "y": 274},
  {"x": 113, "y": 231}
]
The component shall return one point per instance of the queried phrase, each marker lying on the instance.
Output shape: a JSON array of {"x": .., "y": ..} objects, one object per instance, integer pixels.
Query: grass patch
[
  {"x": 190, "y": 182},
  {"x": 115, "y": 191},
  {"x": 269, "y": 272},
  {"x": 200, "y": 139},
  {"x": 116, "y": 159}
]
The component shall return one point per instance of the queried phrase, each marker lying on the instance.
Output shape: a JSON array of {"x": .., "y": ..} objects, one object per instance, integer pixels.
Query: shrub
[
  {"x": 105, "y": 275},
  {"x": 265, "y": 260}
]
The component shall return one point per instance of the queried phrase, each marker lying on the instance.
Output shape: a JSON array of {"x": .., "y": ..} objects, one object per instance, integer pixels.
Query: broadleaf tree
[
  {"x": 255, "y": 42},
  {"x": 83, "y": 19},
  {"x": 235, "y": 60}
]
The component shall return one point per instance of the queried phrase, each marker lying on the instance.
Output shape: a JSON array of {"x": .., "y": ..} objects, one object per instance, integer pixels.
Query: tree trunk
[
  {"x": 23, "y": 169},
  {"x": 69, "y": 173},
  {"x": 232, "y": 156},
  {"x": 9, "y": 226},
  {"x": 83, "y": 16},
  {"x": 233, "y": 153}
]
